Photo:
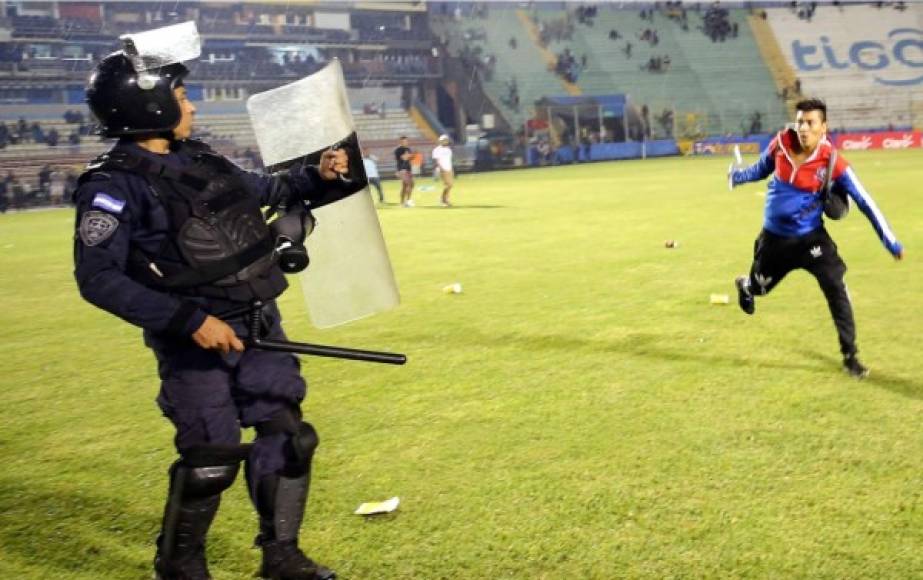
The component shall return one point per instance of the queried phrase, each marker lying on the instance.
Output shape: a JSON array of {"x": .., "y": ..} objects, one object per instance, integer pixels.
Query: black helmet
[{"x": 130, "y": 103}]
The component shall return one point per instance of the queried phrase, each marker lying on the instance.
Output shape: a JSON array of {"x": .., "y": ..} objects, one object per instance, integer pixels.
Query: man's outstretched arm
[
  {"x": 760, "y": 170},
  {"x": 850, "y": 182}
]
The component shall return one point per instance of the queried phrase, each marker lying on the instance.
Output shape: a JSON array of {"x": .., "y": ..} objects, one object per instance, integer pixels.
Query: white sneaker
[{"x": 409, "y": 203}]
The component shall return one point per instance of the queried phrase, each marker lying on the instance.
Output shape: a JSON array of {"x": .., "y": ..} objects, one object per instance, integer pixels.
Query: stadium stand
[
  {"x": 688, "y": 70},
  {"x": 722, "y": 82},
  {"x": 864, "y": 60},
  {"x": 227, "y": 128},
  {"x": 481, "y": 38}
]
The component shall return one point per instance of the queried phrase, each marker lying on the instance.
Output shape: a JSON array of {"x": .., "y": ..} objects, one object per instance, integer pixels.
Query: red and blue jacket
[{"x": 793, "y": 201}]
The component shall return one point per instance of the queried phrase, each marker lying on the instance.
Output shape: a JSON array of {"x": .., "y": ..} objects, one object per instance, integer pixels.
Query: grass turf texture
[{"x": 580, "y": 411}]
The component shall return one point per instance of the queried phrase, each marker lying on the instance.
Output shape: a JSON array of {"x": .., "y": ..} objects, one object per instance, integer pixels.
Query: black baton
[{"x": 315, "y": 349}]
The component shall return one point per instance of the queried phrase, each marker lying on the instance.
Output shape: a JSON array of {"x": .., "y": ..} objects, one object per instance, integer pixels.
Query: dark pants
[
  {"x": 376, "y": 183},
  {"x": 775, "y": 256},
  {"x": 209, "y": 396}
]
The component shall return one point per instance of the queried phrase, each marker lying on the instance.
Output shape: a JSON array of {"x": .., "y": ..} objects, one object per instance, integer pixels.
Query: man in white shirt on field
[
  {"x": 370, "y": 163},
  {"x": 442, "y": 162}
]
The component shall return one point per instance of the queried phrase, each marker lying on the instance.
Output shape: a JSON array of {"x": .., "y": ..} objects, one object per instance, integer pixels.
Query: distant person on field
[
  {"x": 4, "y": 202},
  {"x": 370, "y": 163},
  {"x": 442, "y": 161},
  {"x": 802, "y": 163},
  {"x": 57, "y": 188},
  {"x": 402, "y": 156}
]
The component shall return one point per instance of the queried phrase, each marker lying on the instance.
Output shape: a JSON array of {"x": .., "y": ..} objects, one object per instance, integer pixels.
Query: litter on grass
[{"x": 378, "y": 507}]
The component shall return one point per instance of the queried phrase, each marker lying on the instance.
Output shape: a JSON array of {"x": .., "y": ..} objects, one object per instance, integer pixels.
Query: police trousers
[{"x": 209, "y": 396}]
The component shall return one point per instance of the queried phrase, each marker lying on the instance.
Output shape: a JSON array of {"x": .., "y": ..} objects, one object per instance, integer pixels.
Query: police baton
[{"x": 256, "y": 341}]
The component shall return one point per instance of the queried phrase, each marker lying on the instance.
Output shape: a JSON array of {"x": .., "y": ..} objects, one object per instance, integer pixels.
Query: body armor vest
[{"x": 218, "y": 244}]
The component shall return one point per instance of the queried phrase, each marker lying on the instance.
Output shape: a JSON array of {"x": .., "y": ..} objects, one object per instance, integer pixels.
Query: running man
[{"x": 793, "y": 234}]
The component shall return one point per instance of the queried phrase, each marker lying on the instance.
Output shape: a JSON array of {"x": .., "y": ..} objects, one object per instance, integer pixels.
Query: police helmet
[{"x": 127, "y": 102}]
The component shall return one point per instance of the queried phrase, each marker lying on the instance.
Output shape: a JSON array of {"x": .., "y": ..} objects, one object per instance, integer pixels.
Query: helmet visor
[{"x": 154, "y": 49}]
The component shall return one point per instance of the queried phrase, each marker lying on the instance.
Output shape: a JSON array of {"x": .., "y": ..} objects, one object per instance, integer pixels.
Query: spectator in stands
[
  {"x": 44, "y": 180},
  {"x": 756, "y": 123},
  {"x": 70, "y": 184},
  {"x": 566, "y": 66},
  {"x": 73, "y": 117},
  {"x": 370, "y": 163},
  {"x": 74, "y": 138},
  {"x": 802, "y": 162},
  {"x": 53, "y": 137},
  {"x": 666, "y": 122},
  {"x": 22, "y": 130},
  {"x": 17, "y": 191},
  {"x": 512, "y": 94},
  {"x": 716, "y": 24},
  {"x": 402, "y": 156},
  {"x": 38, "y": 135},
  {"x": 628, "y": 50}
]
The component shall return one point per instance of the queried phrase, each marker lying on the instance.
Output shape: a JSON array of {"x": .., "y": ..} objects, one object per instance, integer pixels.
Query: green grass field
[{"x": 580, "y": 411}]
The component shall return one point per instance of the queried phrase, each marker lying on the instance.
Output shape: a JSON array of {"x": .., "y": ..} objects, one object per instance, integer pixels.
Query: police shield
[
  {"x": 163, "y": 46},
  {"x": 350, "y": 276}
]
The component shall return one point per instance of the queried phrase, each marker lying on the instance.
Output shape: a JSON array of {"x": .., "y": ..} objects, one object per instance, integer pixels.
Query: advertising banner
[{"x": 877, "y": 140}]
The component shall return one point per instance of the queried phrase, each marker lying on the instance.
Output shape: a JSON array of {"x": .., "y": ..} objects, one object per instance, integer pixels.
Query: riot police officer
[{"x": 170, "y": 237}]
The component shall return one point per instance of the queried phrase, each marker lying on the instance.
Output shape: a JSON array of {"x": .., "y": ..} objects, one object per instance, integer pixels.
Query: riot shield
[
  {"x": 162, "y": 46},
  {"x": 350, "y": 275}
]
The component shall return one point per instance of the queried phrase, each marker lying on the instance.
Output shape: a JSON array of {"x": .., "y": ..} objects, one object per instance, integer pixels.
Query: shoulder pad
[
  {"x": 194, "y": 146},
  {"x": 94, "y": 172},
  {"x": 100, "y": 167},
  {"x": 98, "y": 176}
]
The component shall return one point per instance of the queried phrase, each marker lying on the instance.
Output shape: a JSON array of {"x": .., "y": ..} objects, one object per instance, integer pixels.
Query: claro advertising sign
[{"x": 878, "y": 140}]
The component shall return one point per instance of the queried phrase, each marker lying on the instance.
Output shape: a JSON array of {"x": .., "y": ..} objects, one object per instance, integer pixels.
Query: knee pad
[
  {"x": 203, "y": 481},
  {"x": 304, "y": 443},
  {"x": 302, "y": 437},
  {"x": 206, "y": 470}
]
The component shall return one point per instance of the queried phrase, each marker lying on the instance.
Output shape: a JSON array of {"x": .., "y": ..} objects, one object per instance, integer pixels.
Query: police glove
[{"x": 333, "y": 163}]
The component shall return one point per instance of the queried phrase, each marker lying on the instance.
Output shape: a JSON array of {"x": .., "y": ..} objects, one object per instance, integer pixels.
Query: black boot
[
  {"x": 181, "y": 550},
  {"x": 193, "y": 500},
  {"x": 286, "y": 561},
  {"x": 281, "y": 502}
]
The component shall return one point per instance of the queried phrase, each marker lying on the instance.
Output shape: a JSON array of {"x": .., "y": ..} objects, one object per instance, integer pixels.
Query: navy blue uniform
[{"x": 206, "y": 394}]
